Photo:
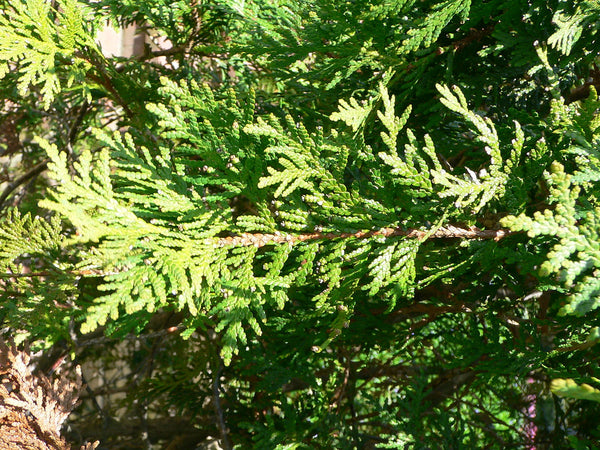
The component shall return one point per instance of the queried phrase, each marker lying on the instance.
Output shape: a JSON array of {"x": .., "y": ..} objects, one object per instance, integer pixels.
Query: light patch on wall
[{"x": 123, "y": 42}]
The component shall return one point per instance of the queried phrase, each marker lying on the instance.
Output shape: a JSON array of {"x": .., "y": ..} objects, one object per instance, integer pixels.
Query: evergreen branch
[
  {"x": 106, "y": 82},
  {"x": 449, "y": 232},
  {"x": 183, "y": 49},
  {"x": 32, "y": 173},
  {"x": 582, "y": 92},
  {"x": 219, "y": 410},
  {"x": 150, "y": 54},
  {"x": 262, "y": 239},
  {"x": 25, "y": 275},
  {"x": 43, "y": 165},
  {"x": 475, "y": 35}
]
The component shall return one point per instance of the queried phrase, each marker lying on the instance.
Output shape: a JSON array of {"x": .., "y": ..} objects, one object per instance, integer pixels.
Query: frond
[
  {"x": 32, "y": 44},
  {"x": 570, "y": 26}
]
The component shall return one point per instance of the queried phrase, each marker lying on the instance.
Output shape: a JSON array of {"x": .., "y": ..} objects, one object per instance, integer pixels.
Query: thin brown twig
[
  {"x": 448, "y": 232},
  {"x": 25, "y": 275},
  {"x": 474, "y": 35},
  {"x": 33, "y": 172},
  {"x": 219, "y": 410},
  {"x": 263, "y": 239},
  {"x": 180, "y": 49},
  {"x": 43, "y": 165}
]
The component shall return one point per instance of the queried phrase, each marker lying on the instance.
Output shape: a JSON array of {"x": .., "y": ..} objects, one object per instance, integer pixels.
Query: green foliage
[
  {"x": 37, "y": 42},
  {"x": 572, "y": 216},
  {"x": 34, "y": 245},
  {"x": 572, "y": 24},
  {"x": 320, "y": 225},
  {"x": 162, "y": 245}
]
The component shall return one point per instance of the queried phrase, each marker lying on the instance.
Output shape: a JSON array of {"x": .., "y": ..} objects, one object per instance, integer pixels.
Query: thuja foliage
[{"x": 319, "y": 224}]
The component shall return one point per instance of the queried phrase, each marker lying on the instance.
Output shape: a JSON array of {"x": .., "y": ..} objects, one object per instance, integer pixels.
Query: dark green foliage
[{"x": 363, "y": 224}]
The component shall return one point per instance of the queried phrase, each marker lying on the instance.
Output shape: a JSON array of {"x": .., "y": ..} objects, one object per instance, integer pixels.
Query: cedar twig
[
  {"x": 32, "y": 173},
  {"x": 219, "y": 411},
  {"x": 180, "y": 49},
  {"x": 448, "y": 232},
  {"x": 27, "y": 275},
  {"x": 263, "y": 239},
  {"x": 473, "y": 36},
  {"x": 583, "y": 92},
  {"x": 43, "y": 165}
]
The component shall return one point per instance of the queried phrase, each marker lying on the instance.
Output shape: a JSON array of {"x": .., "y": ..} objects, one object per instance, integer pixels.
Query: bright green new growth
[
  {"x": 568, "y": 388},
  {"x": 37, "y": 47}
]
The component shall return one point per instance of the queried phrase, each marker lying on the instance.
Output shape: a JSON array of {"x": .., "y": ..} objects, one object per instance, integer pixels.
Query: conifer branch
[
  {"x": 262, "y": 239},
  {"x": 43, "y": 165},
  {"x": 219, "y": 410},
  {"x": 242, "y": 249},
  {"x": 473, "y": 36},
  {"x": 449, "y": 232},
  {"x": 32, "y": 173},
  {"x": 183, "y": 49}
]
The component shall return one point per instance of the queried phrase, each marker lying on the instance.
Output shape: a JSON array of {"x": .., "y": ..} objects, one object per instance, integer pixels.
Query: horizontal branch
[
  {"x": 26, "y": 275},
  {"x": 449, "y": 232},
  {"x": 263, "y": 239}
]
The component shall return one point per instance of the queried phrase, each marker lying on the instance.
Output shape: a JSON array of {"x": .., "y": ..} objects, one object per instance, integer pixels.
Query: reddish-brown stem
[
  {"x": 263, "y": 239},
  {"x": 449, "y": 232}
]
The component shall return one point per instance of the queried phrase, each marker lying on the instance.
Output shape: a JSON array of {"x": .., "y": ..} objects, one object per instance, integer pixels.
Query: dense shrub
[{"x": 308, "y": 224}]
